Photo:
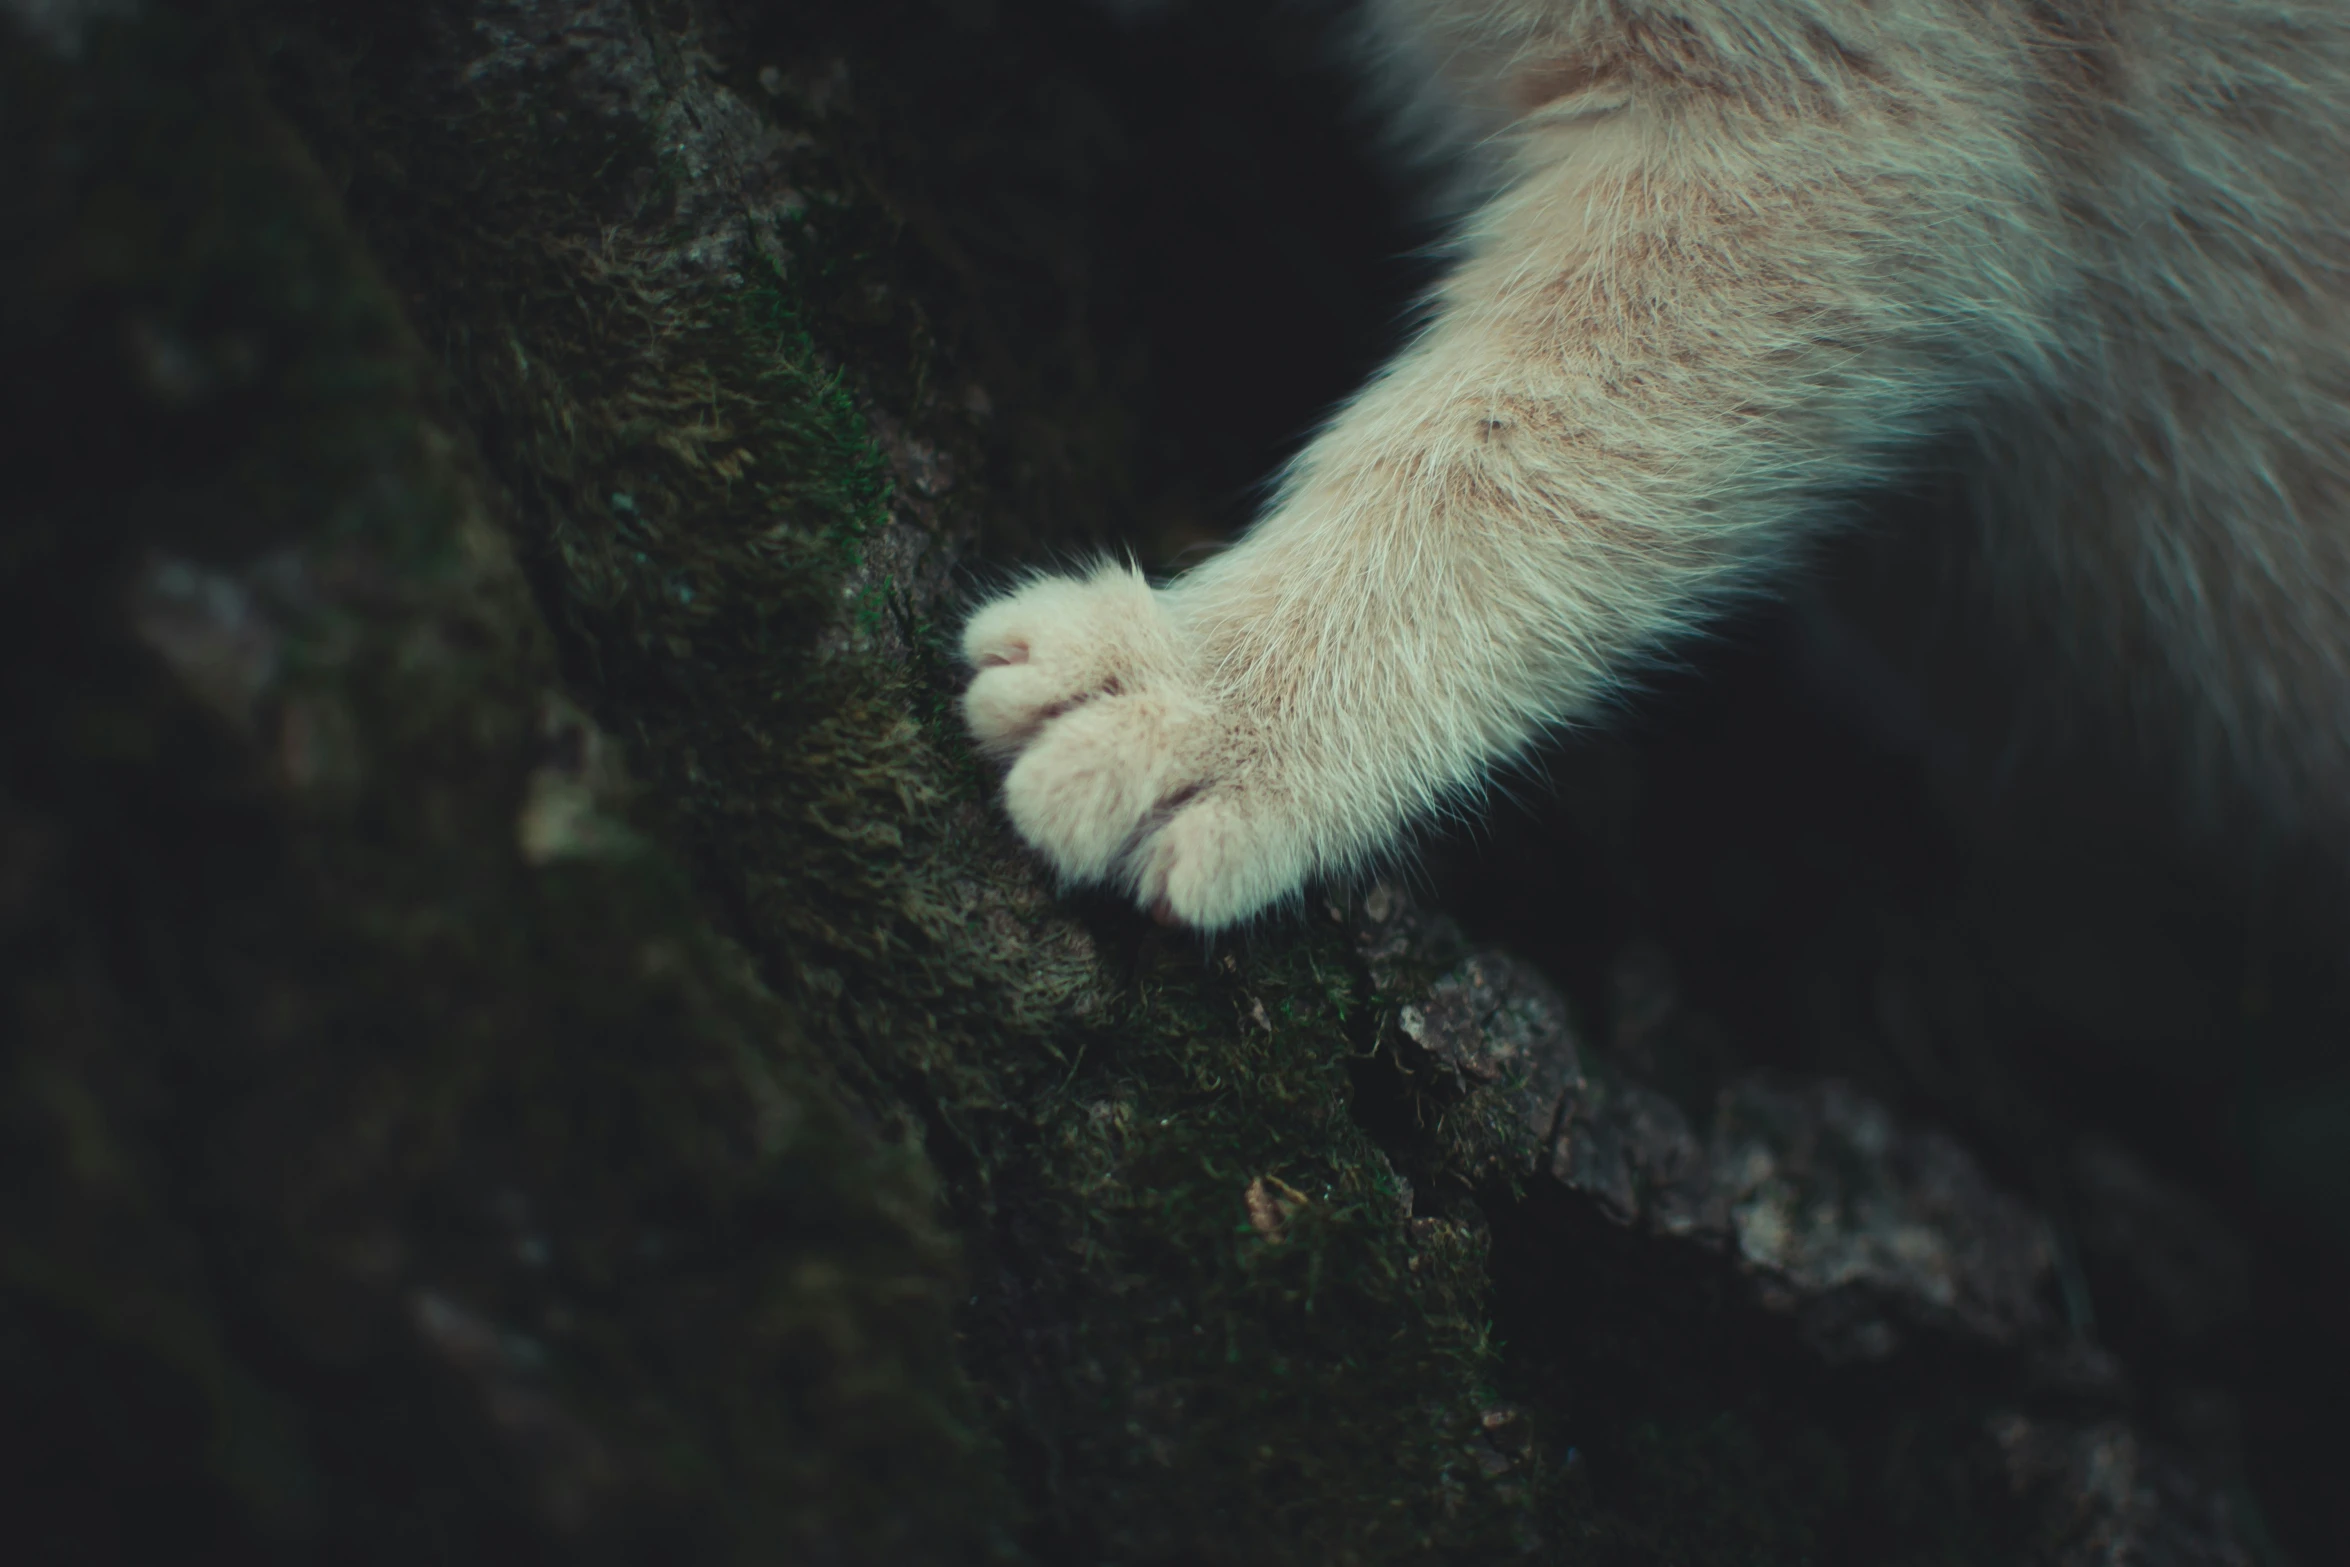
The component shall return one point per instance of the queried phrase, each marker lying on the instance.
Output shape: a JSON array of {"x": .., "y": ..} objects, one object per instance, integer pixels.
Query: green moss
[{"x": 832, "y": 466}]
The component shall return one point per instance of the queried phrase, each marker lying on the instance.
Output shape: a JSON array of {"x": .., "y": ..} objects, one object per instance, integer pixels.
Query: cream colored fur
[{"x": 1731, "y": 261}]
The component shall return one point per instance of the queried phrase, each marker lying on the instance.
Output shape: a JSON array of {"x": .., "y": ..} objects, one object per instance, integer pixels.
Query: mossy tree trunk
[{"x": 525, "y": 1037}]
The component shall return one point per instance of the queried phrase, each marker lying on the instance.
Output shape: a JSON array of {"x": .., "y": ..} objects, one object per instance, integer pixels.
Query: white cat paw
[{"x": 1123, "y": 771}]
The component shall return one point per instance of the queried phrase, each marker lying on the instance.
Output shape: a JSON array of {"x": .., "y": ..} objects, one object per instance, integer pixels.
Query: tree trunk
[{"x": 527, "y": 1038}]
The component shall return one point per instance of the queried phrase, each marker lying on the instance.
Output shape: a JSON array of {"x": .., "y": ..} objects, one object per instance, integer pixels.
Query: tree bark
[{"x": 527, "y": 1038}]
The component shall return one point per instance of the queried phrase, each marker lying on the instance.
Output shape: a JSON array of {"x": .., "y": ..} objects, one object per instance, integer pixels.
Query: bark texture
[{"x": 526, "y": 1040}]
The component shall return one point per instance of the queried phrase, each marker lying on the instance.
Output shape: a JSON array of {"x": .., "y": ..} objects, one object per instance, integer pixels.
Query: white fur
[{"x": 1732, "y": 261}]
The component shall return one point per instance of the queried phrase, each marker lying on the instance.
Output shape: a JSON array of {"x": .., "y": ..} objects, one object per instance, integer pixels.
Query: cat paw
[{"x": 1123, "y": 771}]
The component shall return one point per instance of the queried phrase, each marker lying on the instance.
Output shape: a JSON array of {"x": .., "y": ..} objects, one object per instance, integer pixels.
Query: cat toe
[
  {"x": 1121, "y": 770},
  {"x": 1059, "y": 642},
  {"x": 1008, "y": 703},
  {"x": 1215, "y": 863},
  {"x": 1090, "y": 785}
]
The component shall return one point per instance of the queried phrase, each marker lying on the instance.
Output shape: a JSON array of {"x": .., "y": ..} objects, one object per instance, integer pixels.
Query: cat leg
[{"x": 1683, "y": 324}]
